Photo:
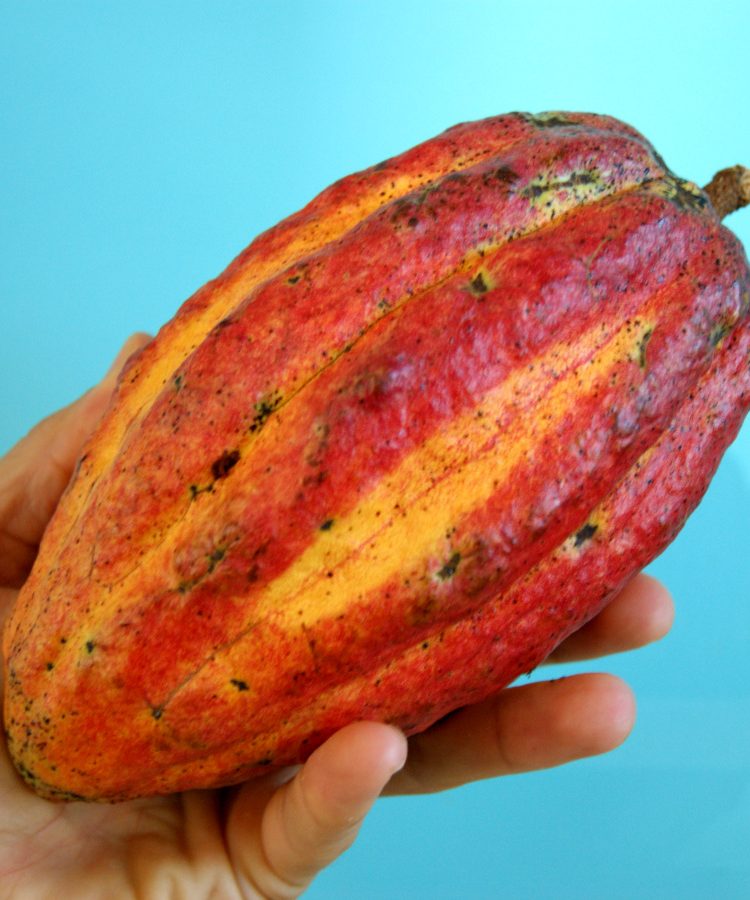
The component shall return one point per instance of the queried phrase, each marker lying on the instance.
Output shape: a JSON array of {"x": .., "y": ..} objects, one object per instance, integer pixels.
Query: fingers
[
  {"x": 36, "y": 470},
  {"x": 64, "y": 432},
  {"x": 520, "y": 729},
  {"x": 278, "y": 848},
  {"x": 60, "y": 436},
  {"x": 548, "y": 724},
  {"x": 641, "y": 613}
]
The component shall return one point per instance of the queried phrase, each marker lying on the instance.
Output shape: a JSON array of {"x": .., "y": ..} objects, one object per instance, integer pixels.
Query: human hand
[{"x": 271, "y": 836}]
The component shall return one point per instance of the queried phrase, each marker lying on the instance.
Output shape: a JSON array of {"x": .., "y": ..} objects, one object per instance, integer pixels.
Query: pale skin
[{"x": 270, "y": 837}]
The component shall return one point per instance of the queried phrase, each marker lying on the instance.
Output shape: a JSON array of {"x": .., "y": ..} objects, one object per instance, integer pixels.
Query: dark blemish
[
  {"x": 178, "y": 382},
  {"x": 506, "y": 175},
  {"x": 293, "y": 279},
  {"x": 684, "y": 194},
  {"x": 548, "y": 121},
  {"x": 316, "y": 479},
  {"x": 413, "y": 222},
  {"x": 642, "y": 344},
  {"x": 63, "y": 640},
  {"x": 215, "y": 557},
  {"x": 228, "y": 460},
  {"x": 425, "y": 644},
  {"x": 718, "y": 333},
  {"x": 223, "y": 324},
  {"x": 263, "y": 409},
  {"x": 260, "y": 550},
  {"x": 239, "y": 684},
  {"x": 449, "y": 569},
  {"x": 79, "y": 462},
  {"x": 327, "y": 525},
  {"x": 689, "y": 198},
  {"x": 577, "y": 179},
  {"x": 585, "y": 533},
  {"x": 253, "y": 574},
  {"x": 266, "y": 761},
  {"x": 478, "y": 285},
  {"x": 157, "y": 711},
  {"x": 195, "y": 490},
  {"x": 423, "y": 195},
  {"x": 50, "y": 666},
  {"x": 90, "y": 646}
]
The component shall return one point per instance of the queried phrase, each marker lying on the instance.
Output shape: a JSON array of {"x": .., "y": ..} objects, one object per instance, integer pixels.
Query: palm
[
  {"x": 131, "y": 846},
  {"x": 129, "y": 849},
  {"x": 72, "y": 843},
  {"x": 186, "y": 841},
  {"x": 270, "y": 837}
]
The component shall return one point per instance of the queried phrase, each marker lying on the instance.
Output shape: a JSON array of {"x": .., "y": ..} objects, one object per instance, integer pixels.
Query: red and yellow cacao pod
[{"x": 412, "y": 437}]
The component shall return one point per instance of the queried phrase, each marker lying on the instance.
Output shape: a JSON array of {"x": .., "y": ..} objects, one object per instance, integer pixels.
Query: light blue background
[{"x": 142, "y": 145}]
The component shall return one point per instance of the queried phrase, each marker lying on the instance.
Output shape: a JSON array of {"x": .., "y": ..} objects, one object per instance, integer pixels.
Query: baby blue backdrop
[{"x": 144, "y": 144}]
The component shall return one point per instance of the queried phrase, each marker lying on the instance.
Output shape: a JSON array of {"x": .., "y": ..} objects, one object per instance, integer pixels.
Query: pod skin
[{"x": 412, "y": 438}]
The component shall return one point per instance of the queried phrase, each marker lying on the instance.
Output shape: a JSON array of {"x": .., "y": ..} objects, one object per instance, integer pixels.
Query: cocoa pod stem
[{"x": 729, "y": 190}]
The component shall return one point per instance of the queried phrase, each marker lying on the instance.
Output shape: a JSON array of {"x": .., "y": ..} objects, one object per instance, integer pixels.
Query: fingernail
[{"x": 398, "y": 751}]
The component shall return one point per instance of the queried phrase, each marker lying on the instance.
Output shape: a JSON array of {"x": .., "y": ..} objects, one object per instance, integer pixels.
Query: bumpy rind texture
[{"x": 410, "y": 439}]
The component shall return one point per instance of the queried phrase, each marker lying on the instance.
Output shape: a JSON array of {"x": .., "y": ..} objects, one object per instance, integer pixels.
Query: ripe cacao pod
[{"x": 412, "y": 437}]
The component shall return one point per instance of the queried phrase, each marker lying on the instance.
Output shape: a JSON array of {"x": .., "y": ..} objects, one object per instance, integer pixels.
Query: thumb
[
  {"x": 34, "y": 473},
  {"x": 60, "y": 436},
  {"x": 279, "y": 845}
]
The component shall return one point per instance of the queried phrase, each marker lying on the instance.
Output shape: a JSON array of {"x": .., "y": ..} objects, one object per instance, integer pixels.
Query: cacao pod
[{"x": 412, "y": 437}]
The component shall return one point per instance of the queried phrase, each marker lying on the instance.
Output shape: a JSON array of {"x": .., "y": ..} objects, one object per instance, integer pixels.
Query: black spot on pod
[
  {"x": 449, "y": 569},
  {"x": 585, "y": 533},
  {"x": 548, "y": 120},
  {"x": 228, "y": 460},
  {"x": 195, "y": 490},
  {"x": 718, "y": 333},
  {"x": 215, "y": 557},
  {"x": 643, "y": 343},
  {"x": 263, "y": 409},
  {"x": 478, "y": 284},
  {"x": 239, "y": 684},
  {"x": 505, "y": 175}
]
